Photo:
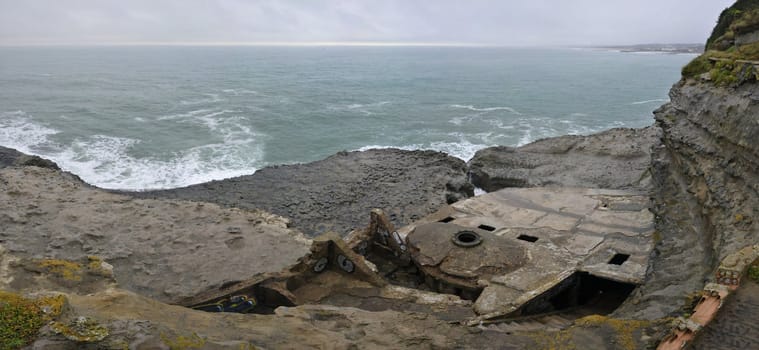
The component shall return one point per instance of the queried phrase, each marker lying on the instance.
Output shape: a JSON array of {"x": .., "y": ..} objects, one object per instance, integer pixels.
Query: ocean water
[{"x": 162, "y": 117}]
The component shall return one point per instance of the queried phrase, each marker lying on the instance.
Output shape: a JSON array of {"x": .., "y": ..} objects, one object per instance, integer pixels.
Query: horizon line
[
  {"x": 258, "y": 43},
  {"x": 321, "y": 44}
]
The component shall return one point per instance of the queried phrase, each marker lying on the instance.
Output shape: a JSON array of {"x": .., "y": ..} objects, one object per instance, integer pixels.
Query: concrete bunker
[{"x": 500, "y": 256}]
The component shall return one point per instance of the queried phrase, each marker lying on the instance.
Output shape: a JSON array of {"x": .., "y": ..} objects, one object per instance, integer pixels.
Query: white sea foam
[
  {"x": 238, "y": 92},
  {"x": 405, "y": 148},
  {"x": 106, "y": 161},
  {"x": 19, "y": 132},
  {"x": 210, "y": 98},
  {"x": 650, "y": 101},
  {"x": 463, "y": 149},
  {"x": 525, "y": 138},
  {"x": 486, "y": 109},
  {"x": 459, "y": 120},
  {"x": 208, "y": 117},
  {"x": 185, "y": 115},
  {"x": 363, "y": 108}
]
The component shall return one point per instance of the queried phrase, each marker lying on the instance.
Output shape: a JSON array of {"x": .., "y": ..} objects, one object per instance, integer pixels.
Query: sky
[{"x": 473, "y": 22}]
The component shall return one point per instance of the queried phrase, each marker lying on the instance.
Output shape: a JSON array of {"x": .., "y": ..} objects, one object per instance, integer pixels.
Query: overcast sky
[{"x": 500, "y": 22}]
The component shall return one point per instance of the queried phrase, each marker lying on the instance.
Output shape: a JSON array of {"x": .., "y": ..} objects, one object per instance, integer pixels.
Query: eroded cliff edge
[{"x": 706, "y": 197}]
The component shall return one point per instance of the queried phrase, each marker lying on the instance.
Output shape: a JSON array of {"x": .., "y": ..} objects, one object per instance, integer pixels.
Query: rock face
[
  {"x": 11, "y": 157},
  {"x": 168, "y": 250},
  {"x": 337, "y": 193},
  {"x": 706, "y": 176},
  {"x": 99, "y": 315},
  {"x": 613, "y": 159}
]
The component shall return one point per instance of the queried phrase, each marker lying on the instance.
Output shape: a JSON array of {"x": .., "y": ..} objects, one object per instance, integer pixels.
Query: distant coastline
[{"x": 658, "y": 48}]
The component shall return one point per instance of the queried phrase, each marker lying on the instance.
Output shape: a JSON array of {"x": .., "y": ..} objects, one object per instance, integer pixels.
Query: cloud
[{"x": 536, "y": 22}]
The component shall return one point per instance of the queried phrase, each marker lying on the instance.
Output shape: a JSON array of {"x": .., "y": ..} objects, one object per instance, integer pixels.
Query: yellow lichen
[
  {"x": 656, "y": 237},
  {"x": 81, "y": 329},
  {"x": 51, "y": 306},
  {"x": 20, "y": 321},
  {"x": 624, "y": 329},
  {"x": 98, "y": 266},
  {"x": 738, "y": 217},
  {"x": 181, "y": 342},
  {"x": 68, "y": 270},
  {"x": 553, "y": 341}
]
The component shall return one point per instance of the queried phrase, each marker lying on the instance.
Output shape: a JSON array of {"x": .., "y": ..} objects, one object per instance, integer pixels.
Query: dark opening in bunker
[
  {"x": 486, "y": 228},
  {"x": 466, "y": 239},
  {"x": 619, "y": 259},
  {"x": 528, "y": 238},
  {"x": 447, "y": 220},
  {"x": 580, "y": 295}
]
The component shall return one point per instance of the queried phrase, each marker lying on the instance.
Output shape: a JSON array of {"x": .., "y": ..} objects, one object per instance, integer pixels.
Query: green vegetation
[
  {"x": 20, "y": 321},
  {"x": 746, "y": 23},
  {"x": 698, "y": 66},
  {"x": 724, "y": 73},
  {"x": 727, "y": 18},
  {"x": 725, "y": 66},
  {"x": 753, "y": 273},
  {"x": 67, "y": 270},
  {"x": 747, "y": 52}
]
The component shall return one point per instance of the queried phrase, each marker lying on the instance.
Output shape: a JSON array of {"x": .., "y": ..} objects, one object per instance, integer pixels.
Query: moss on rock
[
  {"x": 729, "y": 19},
  {"x": 193, "y": 341},
  {"x": 81, "y": 329},
  {"x": 753, "y": 272},
  {"x": 67, "y": 270},
  {"x": 697, "y": 66},
  {"x": 624, "y": 329},
  {"x": 20, "y": 320}
]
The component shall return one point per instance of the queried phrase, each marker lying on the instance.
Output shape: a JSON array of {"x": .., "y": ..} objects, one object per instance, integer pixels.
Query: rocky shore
[
  {"x": 118, "y": 257},
  {"x": 336, "y": 194},
  {"x": 86, "y": 268},
  {"x": 613, "y": 159}
]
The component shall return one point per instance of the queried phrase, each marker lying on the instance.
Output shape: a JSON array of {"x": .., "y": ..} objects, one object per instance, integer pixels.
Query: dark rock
[
  {"x": 11, "y": 157},
  {"x": 613, "y": 159},
  {"x": 337, "y": 193},
  {"x": 706, "y": 201}
]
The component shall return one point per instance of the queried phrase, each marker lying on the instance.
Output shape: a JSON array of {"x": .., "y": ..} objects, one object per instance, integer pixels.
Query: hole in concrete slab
[
  {"x": 447, "y": 220},
  {"x": 528, "y": 238},
  {"x": 486, "y": 228},
  {"x": 580, "y": 295},
  {"x": 618, "y": 259},
  {"x": 466, "y": 239}
]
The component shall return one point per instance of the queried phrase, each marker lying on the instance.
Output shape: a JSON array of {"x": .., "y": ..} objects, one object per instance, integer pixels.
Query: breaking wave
[
  {"x": 659, "y": 100},
  {"x": 486, "y": 109},
  {"x": 108, "y": 161}
]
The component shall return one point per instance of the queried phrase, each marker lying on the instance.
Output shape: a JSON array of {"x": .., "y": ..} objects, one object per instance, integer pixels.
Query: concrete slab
[{"x": 562, "y": 231}]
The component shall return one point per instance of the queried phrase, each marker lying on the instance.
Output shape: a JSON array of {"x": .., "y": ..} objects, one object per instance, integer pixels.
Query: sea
[{"x": 154, "y": 117}]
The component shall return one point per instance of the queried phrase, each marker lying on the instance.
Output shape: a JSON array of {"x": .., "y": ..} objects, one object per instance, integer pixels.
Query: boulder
[
  {"x": 169, "y": 250},
  {"x": 613, "y": 159}
]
